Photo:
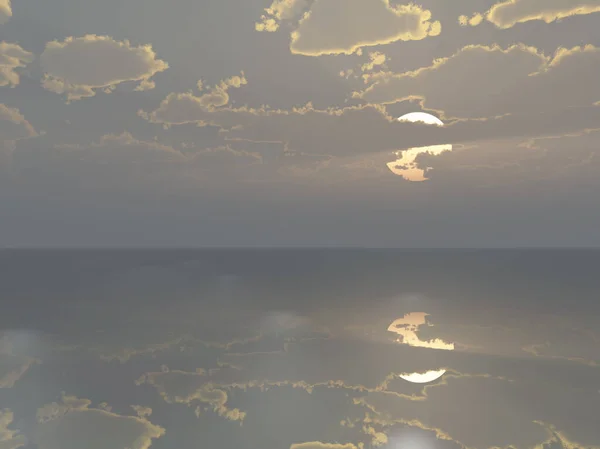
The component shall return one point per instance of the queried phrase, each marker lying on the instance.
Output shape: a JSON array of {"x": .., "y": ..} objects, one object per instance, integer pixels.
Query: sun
[
  {"x": 405, "y": 165},
  {"x": 423, "y": 378},
  {"x": 407, "y": 327}
]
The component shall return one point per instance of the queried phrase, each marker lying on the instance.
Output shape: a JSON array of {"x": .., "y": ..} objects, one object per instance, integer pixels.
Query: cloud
[
  {"x": 142, "y": 411},
  {"x": 508, "y": 13},
  {"x": 308, "y": 130},
  {"x": 12, "y": 368},
  {"x": 72, "y": 423},
  {"x": 190, "y": 388},
  {"x": 482, "y": 347},
  {"x": 281, "y": 10},
  {"x": 512, "y": 88},
  {"x": 224, "y": 158},
  {"x": 568, "y": 158},
  {"x": 330, "y": 363},
  {"x": 369, "y": 129},
  {"x": 320, "y": 445},
  {"x": 407, "y": 328},
  {"x": 344, "y": 26},
  {"x": 454, "y": 410},
  {"x": 124, "y": 354},
  {"x": 375, "y": 59},
  {"x": 9, "y": 439},
  {"x": 181, "y": 108},
  {"x": 133, "y": 163},
  {"x": 13, "y": 125},
  {"x": 78, "y": 67},
  {"x": 492, "y": 81},
  {"x": 5, "y": 11},
  {"x": 121, "y": 148},
  {"x": 12, "y": 56},
  {"x": 475, "y": 20},
  {"x": 218, "y": 95},
  {"x": 365, "y": 366},
  {"x": 115, "y": 161},
  {"x": 175, "y": 386}
]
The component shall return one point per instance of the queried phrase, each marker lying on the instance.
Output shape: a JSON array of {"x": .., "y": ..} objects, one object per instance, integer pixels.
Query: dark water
[{"x": 261, "y": 349}]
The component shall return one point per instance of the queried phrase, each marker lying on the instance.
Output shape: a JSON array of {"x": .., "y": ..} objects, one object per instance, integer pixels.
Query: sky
[{"x": 257, "y": 123}]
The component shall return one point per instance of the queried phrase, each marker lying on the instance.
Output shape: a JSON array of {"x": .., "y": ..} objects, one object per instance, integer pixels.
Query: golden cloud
[
  {"x": 511, "y": 163},
  {"x": 12, "y": 56},
  {"x": 9, "y": 439},
  {"x": 320, "y": 445},
  {"x": 345, "y": 26},
  {"x": 78, "y": 67},
  {"x": 218, "y": 96},
  {"x": 191, "y": 387},
  {"x": 5, "y": 11},
  {"x": 508, "y": 13},
  {"x": 123, "y": 355},
  {"x": 142, "y": 411},
  {"x": 369, "y": 129},
  {"x": 13, "y": 125},
  {"x": 475, "y": 20},
  {"x": 278, "y": 11},
  {"x": 181, "y": 108},
  {"x": 454, "y": 410},
  {"x": 510, "y": 84},
  {"x": 490, "y": 81},
  {"x": 74, "y": 421},
  {"x": 375, "y": 59},
  {"x": 408, "y": 326}
]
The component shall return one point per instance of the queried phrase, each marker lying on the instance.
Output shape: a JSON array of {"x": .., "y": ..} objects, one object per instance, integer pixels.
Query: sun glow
[
  {"x": 406, "y": 165},
  {"x": 407, "y": 327}
]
